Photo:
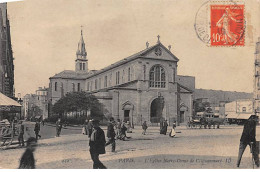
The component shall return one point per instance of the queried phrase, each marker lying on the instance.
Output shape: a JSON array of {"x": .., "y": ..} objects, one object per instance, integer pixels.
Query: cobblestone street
[{"x": 191, "y": 148}]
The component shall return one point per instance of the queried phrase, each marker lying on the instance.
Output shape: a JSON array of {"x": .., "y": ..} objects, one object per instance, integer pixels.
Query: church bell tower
[{"x": 81, "y": 62}]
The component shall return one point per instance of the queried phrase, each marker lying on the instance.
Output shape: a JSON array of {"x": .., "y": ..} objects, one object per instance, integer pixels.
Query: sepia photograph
[{"x": 147, "y": 84}]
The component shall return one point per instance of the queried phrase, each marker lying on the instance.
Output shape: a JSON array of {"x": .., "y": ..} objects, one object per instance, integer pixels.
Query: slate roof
[
  {"x": 70, "y": 74},
  {"x": 132, "y": 57}
]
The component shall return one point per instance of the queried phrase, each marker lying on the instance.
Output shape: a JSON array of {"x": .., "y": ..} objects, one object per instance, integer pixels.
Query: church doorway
[
  {"x": 182, "y": 116},
  {"x": 156, "y": 110},
  {"x": 126, "y": 115}
]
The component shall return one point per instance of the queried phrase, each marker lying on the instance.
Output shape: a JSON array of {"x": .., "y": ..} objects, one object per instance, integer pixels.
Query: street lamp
[{"x": 161, "y": 104}]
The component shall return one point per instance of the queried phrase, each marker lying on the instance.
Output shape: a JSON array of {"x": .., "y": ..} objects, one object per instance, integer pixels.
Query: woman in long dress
[{"x": 172, "y": 132}]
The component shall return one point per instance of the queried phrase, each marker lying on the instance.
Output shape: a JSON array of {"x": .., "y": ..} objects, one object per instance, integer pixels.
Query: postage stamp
[
  {"x": 221, "y": 23},
  {"x": 227, "y": 25}
]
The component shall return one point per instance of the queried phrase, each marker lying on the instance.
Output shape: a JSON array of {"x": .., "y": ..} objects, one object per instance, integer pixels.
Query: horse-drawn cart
[{"x": 205, "y": 120}]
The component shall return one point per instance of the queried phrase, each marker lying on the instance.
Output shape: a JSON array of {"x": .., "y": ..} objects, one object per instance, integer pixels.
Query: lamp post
[
  {"x": 161, "y": 104},
  {"x": 20, "y": 101}
]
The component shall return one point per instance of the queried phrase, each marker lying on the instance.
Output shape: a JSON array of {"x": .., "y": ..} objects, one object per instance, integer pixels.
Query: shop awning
[
  {"x": 232, "y": 115},
  {"x": 244, "y": 116},
  {"x": 6, "y": 101}
]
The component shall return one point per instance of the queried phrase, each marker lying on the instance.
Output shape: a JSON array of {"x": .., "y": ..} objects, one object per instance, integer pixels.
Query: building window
[
  {"x": 99, "y": 83},
  {"x": 244, "y": 109},
  {"x": 84, "y": 66},
  {"x": 80, "y": 66},
  {"x": 157, "y": 77},
  {"x": 174, "y": 71},
  {"x": 129, "y": 72},
  {"x": 144, "y": 72},
  {"x": 158, "y": 51},
  {"x": 110, "y": 80},
  {"x": 91, "y": 83},
  {"x": 123, "y": 75},
  {"x": 78, "y": 86},
  {"x": 73, "y": 87},
  {"x": 55, "y": 86},
  {"x": 117, "y": 77},
  {"x": 105, "y": 81},
  {"x": 96, "y": 84},
  {"x": 88, "y": 86}
]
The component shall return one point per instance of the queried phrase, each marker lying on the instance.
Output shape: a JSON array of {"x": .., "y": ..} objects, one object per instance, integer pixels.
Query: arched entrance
[{"x": 156, "y": 110}]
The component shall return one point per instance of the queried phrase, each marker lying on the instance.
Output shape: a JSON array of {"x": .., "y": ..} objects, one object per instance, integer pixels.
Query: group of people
[
  {"x": 97, "y": 142},
  {"x": 119, "y": 127}
]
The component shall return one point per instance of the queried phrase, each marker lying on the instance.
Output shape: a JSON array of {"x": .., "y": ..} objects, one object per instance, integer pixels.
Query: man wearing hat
[
  {"x": 111, "y": 134},
  {"x": 248, "y": 138},
  {"x": 97, "y": 145}
]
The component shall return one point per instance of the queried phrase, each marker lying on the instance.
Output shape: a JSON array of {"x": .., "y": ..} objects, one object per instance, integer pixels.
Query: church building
[{"x": 142, "y": 87}]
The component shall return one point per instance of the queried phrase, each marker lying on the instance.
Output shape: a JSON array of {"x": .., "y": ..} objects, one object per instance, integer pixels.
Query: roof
[
  {"x": 232, "y": 115},
  {"x": 70, "y": 74},
  {"x": 6, "y": 101},
  {"x": 244, "y": 116},
  {"x": 185, "y": 88},
  {"x": 133, "y": 57}
]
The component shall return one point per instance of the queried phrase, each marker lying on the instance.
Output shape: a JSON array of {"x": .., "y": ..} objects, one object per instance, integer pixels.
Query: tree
[
  {"x": 200, "y": 106},
  {"x": 34, "y": 111},
  {"x": 78, "y": 101}
]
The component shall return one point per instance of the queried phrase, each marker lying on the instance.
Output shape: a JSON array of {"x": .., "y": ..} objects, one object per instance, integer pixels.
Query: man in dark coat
[
  {"x": 164, "y": 128},
  {"x": 248, "y": 138},
  {"x": 37, "y": 129},
  {"x": 144, "y": 127},
  {"x": 27, "y": 161},
  {"x": 97, "y": 145},
  {"x": 21, "y": 133},
  {"x": 58, "y": 127},
  {"x": 111, "y": 134}
]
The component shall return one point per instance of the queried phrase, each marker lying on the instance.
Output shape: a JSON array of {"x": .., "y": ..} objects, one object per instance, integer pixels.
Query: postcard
[{"x": 148, "y": 84}]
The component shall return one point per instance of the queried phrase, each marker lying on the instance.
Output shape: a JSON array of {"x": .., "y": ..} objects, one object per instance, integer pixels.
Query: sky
[{"x": 45, "y": 34}]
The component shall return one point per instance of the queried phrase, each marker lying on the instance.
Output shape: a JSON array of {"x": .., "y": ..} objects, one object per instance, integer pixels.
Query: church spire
[
  {"x": 81, "y": 52},
  {"x": 81, "y": 62}
]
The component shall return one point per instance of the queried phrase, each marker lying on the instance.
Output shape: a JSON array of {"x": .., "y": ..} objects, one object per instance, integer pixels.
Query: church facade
[{"x": 142, "y": 87}]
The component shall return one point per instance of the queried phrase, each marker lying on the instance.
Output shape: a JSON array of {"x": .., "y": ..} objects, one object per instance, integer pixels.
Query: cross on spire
[
  {"x": 158, "y": 38},
  {"x": 81, "y": 29}
]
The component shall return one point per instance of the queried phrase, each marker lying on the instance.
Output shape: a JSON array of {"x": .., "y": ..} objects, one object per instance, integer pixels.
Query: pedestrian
[
  {"x": 58, "y": 127},
  {"x": 172, "y": 132},
  {"x": 118, "y": 127},
  {"x": 111, "y": 134},
  {"x": 89, "y": 128},
  {"x": 164, "y": 127},
  {"x": 37, "y": 129},
  {"x": 161, "y": 125},
  {"x": 144, "y": 127},
  {"x": 27, "y": 161},
  {"x": 84, "y": 129},
  {"x": 21, "y": 133},
  {"x": 123, "y": 131},
  {"x": 43, "y": 122},
  {"x": 248, "y": 138},
  {"x": 174, "y": 124},
  {"x": 97, "y": 145}
]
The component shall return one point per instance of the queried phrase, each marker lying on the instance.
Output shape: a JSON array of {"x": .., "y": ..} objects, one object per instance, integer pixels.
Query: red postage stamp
[{"x": 227, "y": 25}]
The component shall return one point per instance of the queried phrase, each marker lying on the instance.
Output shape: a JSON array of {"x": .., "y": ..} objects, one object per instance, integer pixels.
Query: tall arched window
[{"x": 157, "y": 77}]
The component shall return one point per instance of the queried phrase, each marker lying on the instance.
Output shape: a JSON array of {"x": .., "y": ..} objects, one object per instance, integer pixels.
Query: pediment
[{"x": 160, "y": 52}]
